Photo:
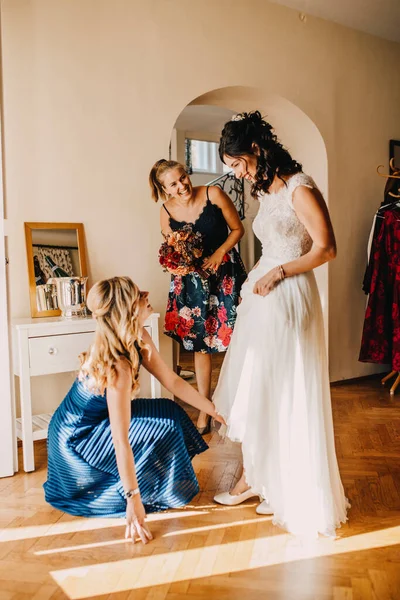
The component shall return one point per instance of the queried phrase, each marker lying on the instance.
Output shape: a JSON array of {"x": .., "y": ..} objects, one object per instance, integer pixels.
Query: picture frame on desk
[{"x": 52, "y": 239}]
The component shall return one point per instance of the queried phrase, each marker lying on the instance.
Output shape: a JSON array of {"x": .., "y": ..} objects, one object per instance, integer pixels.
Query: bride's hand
[
  {"x": 135, "y": 521},
  {"x": 268, "y": 282}
]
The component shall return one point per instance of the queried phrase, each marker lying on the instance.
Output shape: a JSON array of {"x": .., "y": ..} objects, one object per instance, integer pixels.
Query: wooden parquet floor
[{"x": 210, "y": 551}]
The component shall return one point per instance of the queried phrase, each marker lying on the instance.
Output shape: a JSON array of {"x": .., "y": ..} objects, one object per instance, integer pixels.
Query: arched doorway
[{"x": 205, "y": 115}]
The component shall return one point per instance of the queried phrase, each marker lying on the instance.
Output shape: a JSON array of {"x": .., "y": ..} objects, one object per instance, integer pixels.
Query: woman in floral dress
[{"x": 201, "y": 311}]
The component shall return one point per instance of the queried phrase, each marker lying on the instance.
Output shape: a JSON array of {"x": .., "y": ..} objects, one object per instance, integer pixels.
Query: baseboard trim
[{"x": 361, "y": 379}]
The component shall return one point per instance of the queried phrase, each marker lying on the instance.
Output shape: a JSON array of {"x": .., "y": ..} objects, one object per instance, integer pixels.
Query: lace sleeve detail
[{"x": 297, "y": 180}]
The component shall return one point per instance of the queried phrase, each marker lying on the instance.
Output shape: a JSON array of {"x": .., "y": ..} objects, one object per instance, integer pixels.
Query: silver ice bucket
[{"x": 71, "y": 295}]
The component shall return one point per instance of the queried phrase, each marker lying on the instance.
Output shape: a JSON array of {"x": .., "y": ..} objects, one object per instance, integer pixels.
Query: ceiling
[
  {"x": 206, "y": 118},
  {"x": 378, "y": 17}
]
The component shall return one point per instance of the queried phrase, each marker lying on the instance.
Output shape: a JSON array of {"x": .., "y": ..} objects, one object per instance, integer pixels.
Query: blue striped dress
[{"x": 82, "y": 475}]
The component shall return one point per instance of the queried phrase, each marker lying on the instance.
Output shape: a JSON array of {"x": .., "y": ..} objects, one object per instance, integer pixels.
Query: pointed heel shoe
[
  {"x": 228, "y": 499},
  {"x": 264, "y": 509},
  {"x": 206, "y": 429}
]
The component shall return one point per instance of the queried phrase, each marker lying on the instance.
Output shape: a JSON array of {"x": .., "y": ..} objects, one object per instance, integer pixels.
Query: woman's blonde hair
[
  {"x": 158, "y": 170},
  {"x": 115, "y": 305}
]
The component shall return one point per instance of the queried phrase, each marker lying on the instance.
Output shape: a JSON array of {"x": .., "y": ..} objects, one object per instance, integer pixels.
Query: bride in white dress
[{"x": 273, "y": 389}]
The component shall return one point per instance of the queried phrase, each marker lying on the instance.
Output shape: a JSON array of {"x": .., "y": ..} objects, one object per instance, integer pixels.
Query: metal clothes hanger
[{"x": 394, "y": 175}]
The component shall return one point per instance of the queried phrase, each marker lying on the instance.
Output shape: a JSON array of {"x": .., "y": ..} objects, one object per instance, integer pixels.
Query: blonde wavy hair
[{"x": 114, "y": 304}]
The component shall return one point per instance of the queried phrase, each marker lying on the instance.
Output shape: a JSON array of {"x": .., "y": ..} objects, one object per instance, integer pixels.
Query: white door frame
[{"x": 7, "y": 455}]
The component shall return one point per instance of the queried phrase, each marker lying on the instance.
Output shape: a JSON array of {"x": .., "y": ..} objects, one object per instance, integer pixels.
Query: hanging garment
[
  {"x": 381, "y": 333},
  {"x": 390, "y": 187}
]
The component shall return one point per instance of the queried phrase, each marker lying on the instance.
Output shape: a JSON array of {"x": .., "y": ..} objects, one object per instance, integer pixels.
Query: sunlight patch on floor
[
  {"x": 79, "y": 524},
  {"x": 213, "y": 558},
  {"x": 190, "y": 531}
]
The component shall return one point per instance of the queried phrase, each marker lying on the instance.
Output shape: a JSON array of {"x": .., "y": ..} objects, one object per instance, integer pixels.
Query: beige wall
[{"x": 92, "y": 90}]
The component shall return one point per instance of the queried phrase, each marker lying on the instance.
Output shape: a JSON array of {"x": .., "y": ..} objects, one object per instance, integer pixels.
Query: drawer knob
[{"x": 52, "y": 350}]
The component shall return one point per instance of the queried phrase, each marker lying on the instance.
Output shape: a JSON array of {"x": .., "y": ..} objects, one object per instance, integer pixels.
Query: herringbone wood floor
[{"x": 211, "y": 551}]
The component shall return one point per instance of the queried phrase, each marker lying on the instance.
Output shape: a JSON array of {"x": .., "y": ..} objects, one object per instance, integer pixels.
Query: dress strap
[
  {"x": 167, "y": 210},
  {"x": 208, "y": 197}
]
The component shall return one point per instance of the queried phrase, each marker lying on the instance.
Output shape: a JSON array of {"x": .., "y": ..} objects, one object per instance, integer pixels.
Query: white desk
[{"x": 49, "y": 346}]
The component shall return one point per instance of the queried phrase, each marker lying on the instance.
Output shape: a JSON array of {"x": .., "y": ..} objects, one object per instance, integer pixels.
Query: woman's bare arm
[{"x": 153, "y": 363}]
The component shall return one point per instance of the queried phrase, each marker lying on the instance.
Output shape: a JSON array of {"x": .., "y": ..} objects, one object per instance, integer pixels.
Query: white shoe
[
  {"x": 264, "y": 509},
  {"x": 229, "y": 499}
]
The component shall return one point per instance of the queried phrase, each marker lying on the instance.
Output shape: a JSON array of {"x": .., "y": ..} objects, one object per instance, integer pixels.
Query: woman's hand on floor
[{"x": 135, "y": 521}]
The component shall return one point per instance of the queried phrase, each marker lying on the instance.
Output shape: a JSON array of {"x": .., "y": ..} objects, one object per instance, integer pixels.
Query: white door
[{"x": 6, "y": 412}]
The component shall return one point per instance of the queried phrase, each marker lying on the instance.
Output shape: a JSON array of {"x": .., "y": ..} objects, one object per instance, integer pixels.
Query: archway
[{"x": 293, "y": 126}]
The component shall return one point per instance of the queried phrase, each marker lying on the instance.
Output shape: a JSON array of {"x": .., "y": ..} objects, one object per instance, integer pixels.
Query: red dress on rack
[{"x": 381, "y": 334}]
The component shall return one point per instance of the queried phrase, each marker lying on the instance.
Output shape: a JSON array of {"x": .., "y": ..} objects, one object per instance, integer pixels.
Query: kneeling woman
[{"x": 106, "y": 455}]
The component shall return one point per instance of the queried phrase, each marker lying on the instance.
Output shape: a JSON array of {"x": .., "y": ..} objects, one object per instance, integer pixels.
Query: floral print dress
[{"x": 201, "y": 313}]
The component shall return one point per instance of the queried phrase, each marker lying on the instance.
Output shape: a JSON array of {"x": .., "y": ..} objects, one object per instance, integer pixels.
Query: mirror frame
[
  {"x": 31, "y": 271},
  {"x": 394, "y": 148}
]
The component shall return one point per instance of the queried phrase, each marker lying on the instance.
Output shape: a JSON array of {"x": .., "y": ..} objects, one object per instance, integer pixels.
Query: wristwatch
[{"x": 131, "y": 493}]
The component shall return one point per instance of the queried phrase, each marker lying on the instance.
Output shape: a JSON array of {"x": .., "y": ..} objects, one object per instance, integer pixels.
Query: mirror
[{"x": 53, "y": 250}]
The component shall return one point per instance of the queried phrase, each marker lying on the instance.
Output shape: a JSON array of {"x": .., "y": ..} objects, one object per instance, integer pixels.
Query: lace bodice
[{"x": 277, "y": 226}]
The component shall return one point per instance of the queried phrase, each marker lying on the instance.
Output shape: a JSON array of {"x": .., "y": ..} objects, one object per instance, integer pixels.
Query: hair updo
[
  {"x": 238, "y": 137},
  {"x": 158, "y": 170}
]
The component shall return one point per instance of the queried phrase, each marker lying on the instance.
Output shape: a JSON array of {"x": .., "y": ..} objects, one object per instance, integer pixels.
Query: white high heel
[
  {"x": 229, "y": 500},
  {"x": 264, "y": 509}
]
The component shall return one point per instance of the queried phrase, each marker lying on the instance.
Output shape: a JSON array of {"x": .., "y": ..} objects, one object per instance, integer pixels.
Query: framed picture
[
  {"x": 53, "y": 250},
  {"x": 394, "y": 153}
]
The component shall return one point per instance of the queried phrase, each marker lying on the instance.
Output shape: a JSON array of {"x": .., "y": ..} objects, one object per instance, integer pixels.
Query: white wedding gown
[{"x": 273, "y": 389}]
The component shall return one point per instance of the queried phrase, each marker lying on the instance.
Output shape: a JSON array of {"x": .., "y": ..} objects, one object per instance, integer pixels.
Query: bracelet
[
  {"x": 131, "y": 493},
  {"x": 281, "y": 272}
]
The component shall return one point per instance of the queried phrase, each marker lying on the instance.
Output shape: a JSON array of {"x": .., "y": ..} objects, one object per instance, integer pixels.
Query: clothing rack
[
  {"x": 391, "y": 177},
  {"x": 396, "y": 383}
]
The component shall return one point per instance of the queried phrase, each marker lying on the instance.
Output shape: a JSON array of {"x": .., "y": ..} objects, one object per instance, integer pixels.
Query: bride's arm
[
  {"x": 312, "y": 211},
  {"x": 153, "y": 363}
]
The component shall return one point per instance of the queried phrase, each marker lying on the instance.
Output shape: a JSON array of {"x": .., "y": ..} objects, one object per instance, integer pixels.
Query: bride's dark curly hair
[{"x": 238, "y": 137}]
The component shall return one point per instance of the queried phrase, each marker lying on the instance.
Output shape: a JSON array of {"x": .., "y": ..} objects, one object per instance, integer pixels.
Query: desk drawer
[{"x": 57, "y": 353}]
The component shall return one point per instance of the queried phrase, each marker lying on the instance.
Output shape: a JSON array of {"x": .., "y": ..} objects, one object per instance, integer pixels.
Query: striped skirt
[{"x": 83, "y": 477}]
